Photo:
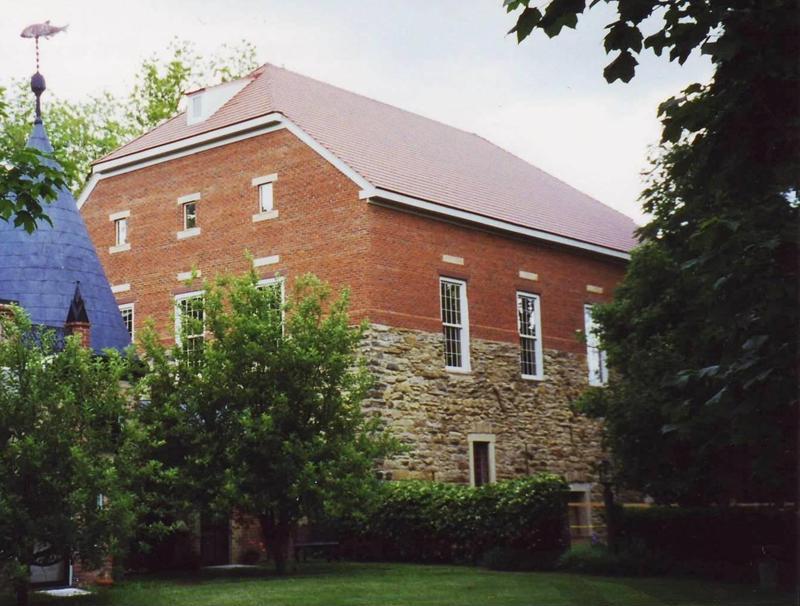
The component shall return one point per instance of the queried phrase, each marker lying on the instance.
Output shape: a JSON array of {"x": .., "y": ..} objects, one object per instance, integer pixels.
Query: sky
[{"x": 451, "y": 60}]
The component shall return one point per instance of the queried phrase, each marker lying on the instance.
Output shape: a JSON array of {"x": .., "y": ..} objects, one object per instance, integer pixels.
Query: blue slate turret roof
[{"x": 40, "y": 271}]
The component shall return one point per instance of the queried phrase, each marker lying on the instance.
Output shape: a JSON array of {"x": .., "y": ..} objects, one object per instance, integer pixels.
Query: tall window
[
  {"x": 190, "y": 320},
  {"x": 265, "y": 197},
  {"x": 530, "y": 338},
  {"x": 455, "y": 323},
  {"x": 127, "y": 317},
  {"x": 275, "y": 285},
  {"x": 595, "y": 357},
  {"x": 121, "y": 231},
  {"x": 481, "y": 459},
  {"x": 189, "y": 215}
]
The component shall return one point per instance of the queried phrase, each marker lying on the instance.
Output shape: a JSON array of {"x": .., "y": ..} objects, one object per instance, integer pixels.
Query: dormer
[{"x": 203, "y": 103}]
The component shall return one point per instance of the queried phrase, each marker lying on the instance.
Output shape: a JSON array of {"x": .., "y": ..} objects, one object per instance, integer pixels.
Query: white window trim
[
  {"x": 281, "y": 282},
  {"x": 591, "y": 342},
  {"x": 189, "y": 198},
  {"x": 538, "y": 320},
  {"x": 119, "y": 248},
  {"x": 179, "y": 313},
  {"x": 131, "y": 307},
  {"x": 117, "y": 223},
  {"x": 262, "y": 261},
  {"x": 481, "y": 437},
  {"x": 123, "y": 214},
  {"x": 271, "y": 178},
  {"x": 188, "y": 233},
  {"x": 465, "y": 357},
  {"x": 265, "y": 216}
]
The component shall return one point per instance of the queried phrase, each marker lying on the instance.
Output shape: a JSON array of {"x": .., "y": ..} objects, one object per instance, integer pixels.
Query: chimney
[{"x": 77, "y": 319}]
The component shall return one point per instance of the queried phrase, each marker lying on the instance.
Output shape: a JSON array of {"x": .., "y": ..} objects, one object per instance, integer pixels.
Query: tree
[
  {"x": 60, "y": 429},
  {"x": 29, "y": 180},
  {"x": 86, "y": 130},
  {"x": 702, "y": 333},
  {"x": 267, "y": 409}
]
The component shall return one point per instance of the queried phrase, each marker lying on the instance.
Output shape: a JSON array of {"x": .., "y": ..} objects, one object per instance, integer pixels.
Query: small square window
[
  {"x": 121, "y": 231},
  {"x": 265, "y": 202},
  {"x": 189, "y": 215}
]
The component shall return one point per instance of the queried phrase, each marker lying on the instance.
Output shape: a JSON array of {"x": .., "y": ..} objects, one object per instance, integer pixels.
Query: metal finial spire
[{"x": 38, "y": 86}]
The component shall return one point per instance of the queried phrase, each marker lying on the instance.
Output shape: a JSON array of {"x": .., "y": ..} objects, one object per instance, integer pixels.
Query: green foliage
[
  {"x": 85, "y": 130},
  {"x": 29, "y": 180},
  {"x": 702, "y": 404},
  {"x": 264, "y": 416},
  {"x": 61, "y": 427},
  {"x": 161, "y": 84},
  {"x": 441, "y": 522}
]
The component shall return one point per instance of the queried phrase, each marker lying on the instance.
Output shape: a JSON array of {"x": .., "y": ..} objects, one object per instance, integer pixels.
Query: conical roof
[{"x": 40, "y": 271}]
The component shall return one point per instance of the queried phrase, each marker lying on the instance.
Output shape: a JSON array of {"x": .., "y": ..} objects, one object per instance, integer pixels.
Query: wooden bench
[{"x": 329, "y": 548}]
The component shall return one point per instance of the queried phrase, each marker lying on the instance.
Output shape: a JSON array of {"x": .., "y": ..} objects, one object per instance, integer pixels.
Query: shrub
[
  {"x": 630, "y": 559},
  {"x": 437, "y": 522},
  {"x": 724, "y": 543}
]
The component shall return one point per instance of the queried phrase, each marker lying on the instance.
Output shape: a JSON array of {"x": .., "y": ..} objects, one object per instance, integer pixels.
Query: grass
[{"x": 318, "y": 584}]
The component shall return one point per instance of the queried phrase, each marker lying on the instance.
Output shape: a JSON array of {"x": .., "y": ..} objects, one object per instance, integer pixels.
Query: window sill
[
  {"x": 119, "y": 248},
  {"x": 188, "y": 233},
  {"x": 537, "y": 378},
  {"x": 266, "y": 216},
  {"x": 458, "y": 371}
]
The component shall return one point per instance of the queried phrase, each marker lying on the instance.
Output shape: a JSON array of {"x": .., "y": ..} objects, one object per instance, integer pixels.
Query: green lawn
[{"x": 318, "y": 584}]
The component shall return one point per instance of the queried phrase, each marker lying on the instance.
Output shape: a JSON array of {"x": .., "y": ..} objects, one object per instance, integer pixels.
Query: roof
[
  {"x": 41, "y": 271},
  {"x": 408, "y": 154}
]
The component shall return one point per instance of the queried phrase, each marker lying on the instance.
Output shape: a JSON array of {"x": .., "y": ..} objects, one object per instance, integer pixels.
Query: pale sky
[{"x": 450, "y": 60}]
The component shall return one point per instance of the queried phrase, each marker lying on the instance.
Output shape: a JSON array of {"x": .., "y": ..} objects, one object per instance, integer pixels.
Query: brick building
[{"x": 476, "y": 270}]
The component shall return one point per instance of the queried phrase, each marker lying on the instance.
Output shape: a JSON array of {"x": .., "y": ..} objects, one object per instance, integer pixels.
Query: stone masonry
[{"x": 432, "y": 410}]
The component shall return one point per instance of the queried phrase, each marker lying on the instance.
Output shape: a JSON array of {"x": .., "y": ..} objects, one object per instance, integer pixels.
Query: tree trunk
[
  {"x": 276, "y": 531},
  {"x": 611, "y": 516},
  {"x": 21, "y": 587}
]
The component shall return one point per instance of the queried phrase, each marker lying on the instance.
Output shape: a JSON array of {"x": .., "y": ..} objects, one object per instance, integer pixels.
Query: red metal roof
[{"x": 412, "y": 155}]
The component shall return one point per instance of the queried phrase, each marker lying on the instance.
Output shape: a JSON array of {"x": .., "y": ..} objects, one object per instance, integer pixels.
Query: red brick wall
[
  {"x": 321, "y": 225},
  {"x": 391, "y": 260},
  {"x": 407, "y": 255}
]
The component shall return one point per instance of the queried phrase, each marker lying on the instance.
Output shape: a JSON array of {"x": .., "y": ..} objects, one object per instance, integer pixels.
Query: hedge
[{"x": 435, "y": 522}]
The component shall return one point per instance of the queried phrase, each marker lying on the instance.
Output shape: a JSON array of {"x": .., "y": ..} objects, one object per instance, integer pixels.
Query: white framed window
[
  {"x": 455, "y": 323},
  {"x": 277, "y": 284},
  {"x": 127, "y": 312},
  {"x": 190, "y": 306},
  {"x": 595, "y": 357},
  {"x": 189, "y": 215},
  {"x": 481, "y": 459},
  {"x": 121, "y": 231},
  {"x": 529, "y": 327},
  {"x": 265, "y": 202}
]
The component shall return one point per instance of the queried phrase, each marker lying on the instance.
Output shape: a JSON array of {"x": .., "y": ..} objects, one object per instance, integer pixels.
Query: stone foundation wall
[{"x": 433, "y": 411}]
